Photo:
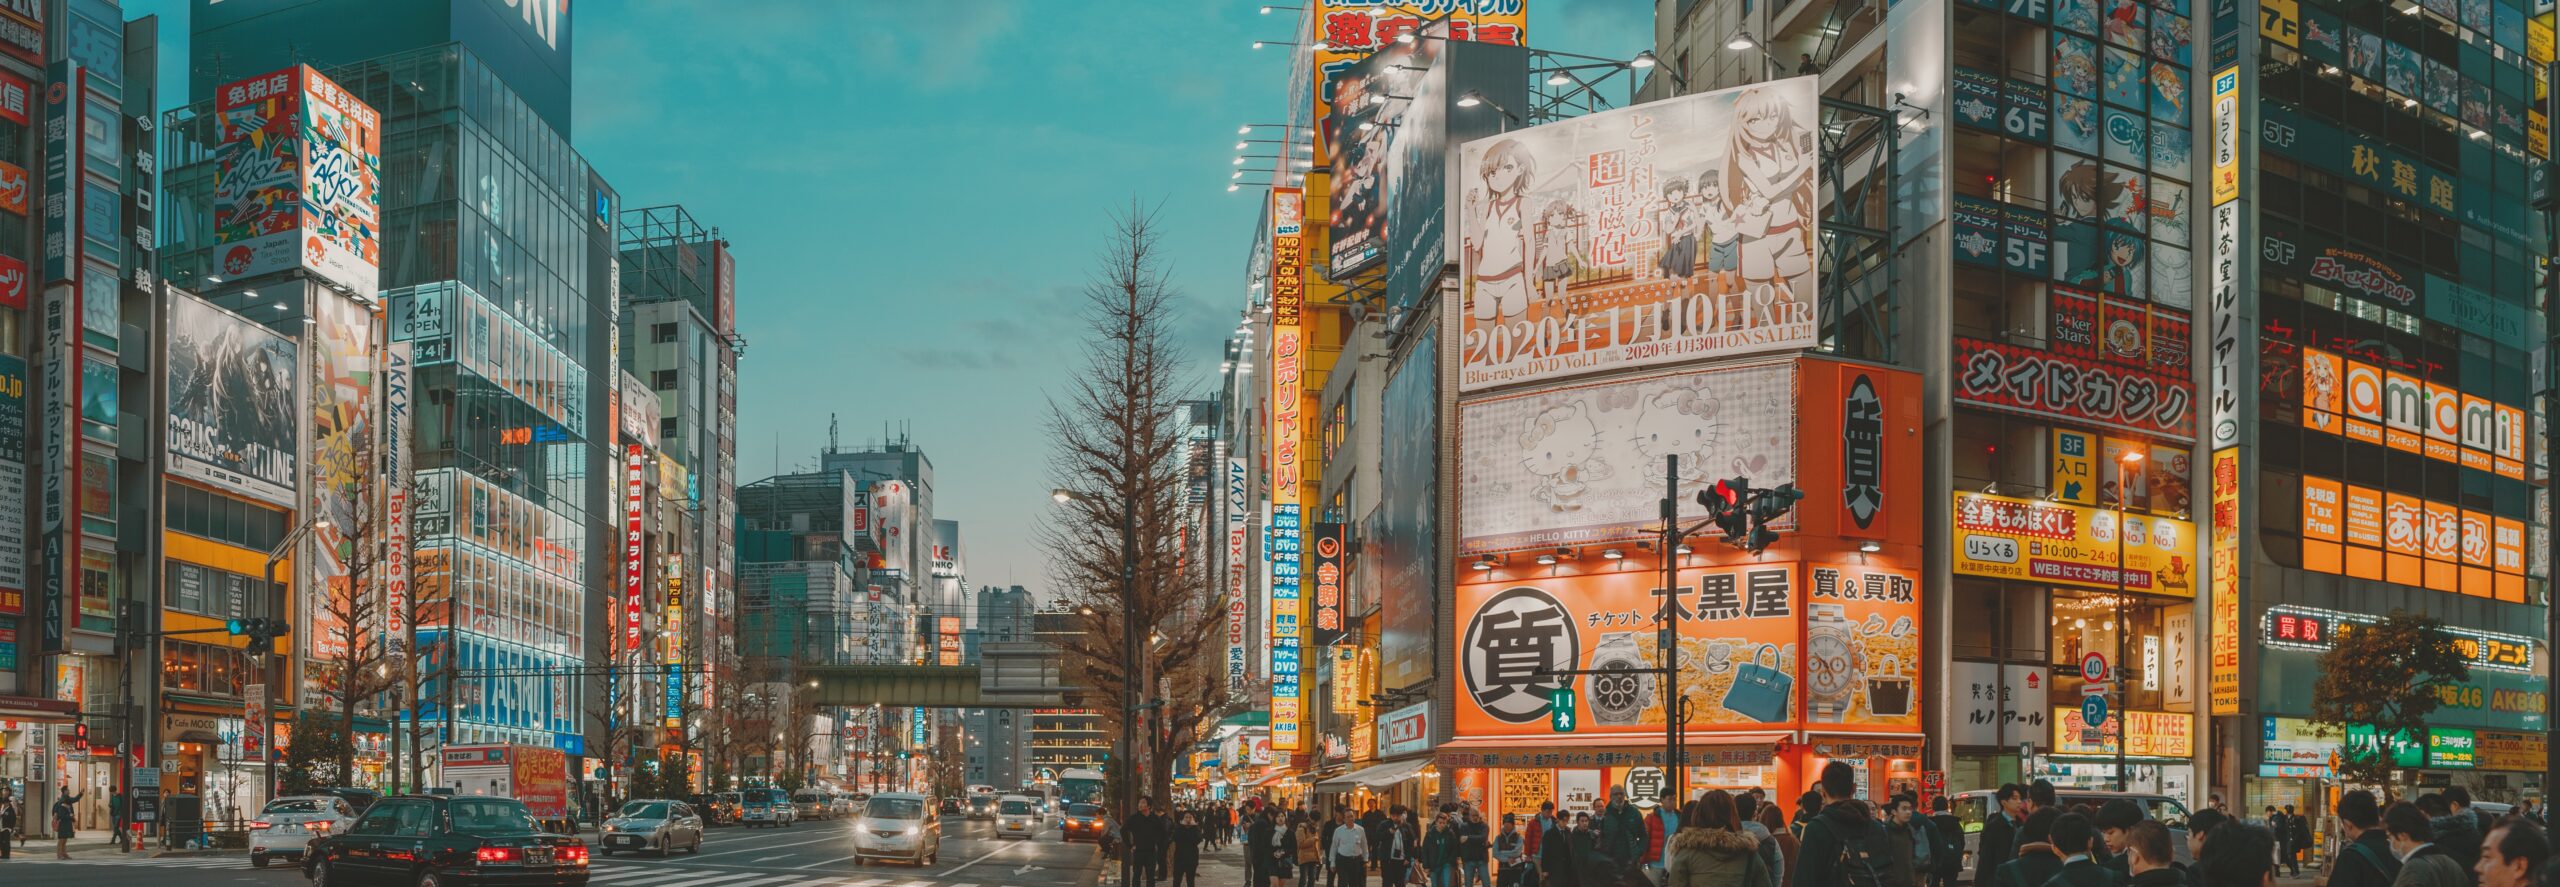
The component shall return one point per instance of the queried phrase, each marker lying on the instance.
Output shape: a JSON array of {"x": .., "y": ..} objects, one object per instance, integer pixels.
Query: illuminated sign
[
  {"x": 1326, "y": 539},
  {"x": 633, "y": 570},
  {"x": 1288, "y": 300},
  {"x": 2367, "y": 533},
  {"x": 2068, "y": 544},
  {"x": 2309, "y": 628},
  {"x": 2359, "y": 401},
  {"x": 2225, "y": 571}
]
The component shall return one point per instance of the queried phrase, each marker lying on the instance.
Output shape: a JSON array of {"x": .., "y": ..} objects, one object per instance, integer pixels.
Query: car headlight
[
  {"x": 911, "y": 830},
  {"x": 610, "y": 827}
]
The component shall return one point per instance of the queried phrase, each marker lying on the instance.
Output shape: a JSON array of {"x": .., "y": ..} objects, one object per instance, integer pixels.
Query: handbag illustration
[{"x": 1760, "y": 692}]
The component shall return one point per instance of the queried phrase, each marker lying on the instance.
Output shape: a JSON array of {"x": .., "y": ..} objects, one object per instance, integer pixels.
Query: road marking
[
  {"x": 956, "y": 869},
  {"x": 823, "y": 862},
  {"x": 764, "y": 847}
]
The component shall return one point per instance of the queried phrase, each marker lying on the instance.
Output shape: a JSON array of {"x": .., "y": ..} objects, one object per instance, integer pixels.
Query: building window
[
  {"x": 224, "y": 519},
  {"x": 663, "y": 380},
  {"x": 662, "y": 332},
  {"x": 666, "y": 430},
  {"x": 220, "y": 594}
]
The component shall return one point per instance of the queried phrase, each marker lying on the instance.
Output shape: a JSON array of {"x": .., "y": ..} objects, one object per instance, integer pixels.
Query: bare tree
[
  {"x": 611, "y": 716},
  {"x": 355, "y": 667},
  {"x": 1117, "y": 454}
]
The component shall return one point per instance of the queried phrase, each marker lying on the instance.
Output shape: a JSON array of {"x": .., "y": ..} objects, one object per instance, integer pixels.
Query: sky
[{"x": 915, "y": 192}]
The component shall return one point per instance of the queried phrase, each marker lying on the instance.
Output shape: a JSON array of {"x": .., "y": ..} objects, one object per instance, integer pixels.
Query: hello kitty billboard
[
  {"x": 1583, "y": 463},
  {"x": 1668, "y": 232}
]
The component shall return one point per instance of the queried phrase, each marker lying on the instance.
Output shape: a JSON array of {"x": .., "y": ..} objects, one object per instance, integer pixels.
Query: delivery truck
[{"x": 536, "y": 775}]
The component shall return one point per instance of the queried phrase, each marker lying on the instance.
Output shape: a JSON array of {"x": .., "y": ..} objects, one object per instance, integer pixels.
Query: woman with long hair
[
  {"x": 1712, "y": 850},
  {"x": 1768, "y": 184},
  {"x": 1498, "y": 255}
]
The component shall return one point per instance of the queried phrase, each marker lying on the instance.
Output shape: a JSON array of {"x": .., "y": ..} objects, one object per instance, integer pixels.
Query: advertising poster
[
  {"x": 2024, "y": 380},
  {"x": 232, "y": 421},
  {"x": 1346, "y": 31},
  {"x": 1738, "y": 642},
  {"x": 342, "y": 389},
  {"x": 2063, "y": 544},
  {"x": 892, "y": 511},
  {"x": 1672, "y": 231},
  {"x": 1367, "y": 123},
  {"x": 1584, "y": 463},
  {"x": 1997, "y": 705},
  {"x": 1862, "y": 647},
  {"x": 1401, "y": 551},
  {"x": 299, "y": 178}
]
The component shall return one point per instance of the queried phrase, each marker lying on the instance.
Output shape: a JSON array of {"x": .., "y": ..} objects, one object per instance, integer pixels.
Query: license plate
[
  {"x": 538, "y": 856},
  {"x": 633, "y": 841}
]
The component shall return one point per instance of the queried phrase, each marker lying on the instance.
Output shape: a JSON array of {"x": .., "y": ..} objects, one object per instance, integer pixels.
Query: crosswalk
[{"x": 604, "y": 874}]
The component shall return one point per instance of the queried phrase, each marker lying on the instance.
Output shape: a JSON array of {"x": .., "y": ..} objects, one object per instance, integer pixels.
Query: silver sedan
[{"x": 654, "y": 825}]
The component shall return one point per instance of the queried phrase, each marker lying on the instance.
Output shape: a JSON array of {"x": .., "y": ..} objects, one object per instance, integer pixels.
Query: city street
[{"x": 811, "y": 854}]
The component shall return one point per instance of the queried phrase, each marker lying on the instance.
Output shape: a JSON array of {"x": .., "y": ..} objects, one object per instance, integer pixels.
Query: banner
[
  {"x": 892, "y": 513},
  {"x": 343, "y": 475},
  {"x": 1288, "y": 436},
  {"x": 2018, "y": 379},
  {"x": 1401, "y": 551},
  {"x": 397, "y": 382},
  {"x": 2063, "y": 544},
  {"x": 1862, "y": 646},
  {"x": 298, "y": 184},
  {"x": 2225, "y": 547},
  {"x": 1343, "y": 32},
  {"x": 1669, "y": 232},
  {"x": 1583, "y": 463},
  {"x": 1325, "y": 542},
  {"x": 634, "y": 546},
  {"x": 232, "y": 420}
]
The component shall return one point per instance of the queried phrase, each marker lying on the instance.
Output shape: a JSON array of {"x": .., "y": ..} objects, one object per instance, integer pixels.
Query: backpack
[{"x": 1863, "y": 863}]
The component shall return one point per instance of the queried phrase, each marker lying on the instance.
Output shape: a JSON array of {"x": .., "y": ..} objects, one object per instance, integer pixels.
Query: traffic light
[
  {"x": 1767, "y": 506},
  {"x": 1728, "y": 506},
  {"x": 260, "y": 631}
]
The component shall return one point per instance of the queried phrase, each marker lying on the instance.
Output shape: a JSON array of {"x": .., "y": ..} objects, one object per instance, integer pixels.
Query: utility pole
[{"x": 1675, "y": 705}]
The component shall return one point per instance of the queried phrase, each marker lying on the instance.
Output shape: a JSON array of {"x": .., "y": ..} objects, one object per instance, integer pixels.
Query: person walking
[
  {"x": 2364, "y": 857},
  {"x": 1557, "y": 865},
  {"x": 1771, "y": 820},
  {"x": 1474, "y": 842},
  {"x": 1187, "y": 837},
  {"x": 1843, "y": 844},
  {"x": 1999, "y": 841},
  {"x": 1711, "y": 849},
  {"x": 1440, "y": 850},
  {"x": 2515, "y": 854},
  {"x": 1947, "y": 861},
  {"x": 2422, "y": 863},
  {"x": 1306, "y": 839},
  {"x": 65, "y": 809},
  {"x": 8, "y": 823},
  {"x": 1349, "y": 848}
]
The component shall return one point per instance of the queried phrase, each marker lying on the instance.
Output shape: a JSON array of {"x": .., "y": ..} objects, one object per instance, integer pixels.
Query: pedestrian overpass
[{"x": 1009, "y": 674}]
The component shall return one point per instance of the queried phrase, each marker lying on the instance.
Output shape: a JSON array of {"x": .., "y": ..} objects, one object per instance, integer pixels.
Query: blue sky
[{"x": 915, "y": 190}]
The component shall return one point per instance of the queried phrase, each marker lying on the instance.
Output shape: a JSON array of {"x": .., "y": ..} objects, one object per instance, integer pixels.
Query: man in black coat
[
  {"x": 2364, "y": 855},
  {"x": 2042, "y": 809},
  {"x": 1150, "y": 836},
  {"x": 2000, "y": 842}
]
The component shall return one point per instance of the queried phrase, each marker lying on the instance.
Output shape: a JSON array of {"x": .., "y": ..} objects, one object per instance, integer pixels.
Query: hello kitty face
[
  {"x": 1559, "y": 439},
  {"x": 1677, "y": 422}
]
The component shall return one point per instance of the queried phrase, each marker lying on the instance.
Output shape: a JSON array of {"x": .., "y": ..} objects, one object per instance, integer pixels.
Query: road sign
[
  {"x": 1560, "y": 709},
  {"x": 2093, "y": 711},
  {"x": 2093, "y": 668}
]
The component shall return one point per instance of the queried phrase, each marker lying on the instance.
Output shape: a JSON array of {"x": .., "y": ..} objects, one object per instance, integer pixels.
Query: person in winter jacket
[
  {"x": 2364, "y": 852},
  {"x": 2236, "y": 854},
  {"x": 1712, "y": 850},
  {"x": 1510, "y": 852},
  {"x": 1306, "y": 844},
  {"x": 2041, "y": 810},
  {"x": 1747, "y": 807},
  {"x": 2457, "y": 834},
  {"x": 1187, "y": 835},
  {"x": 2115, "y": 821},
  {"x": 1844, "y": 822},
  {"x": 1908, "y": 846},
  {"x": 1440, "y": 850},
  {"x": 1592, "y": 866},
  {"x": 2078, "y": 842},
  {"x": 2423, "y": 861},
  {"x": 1474, "y": 842},
  {"x": 1948, "y": 860},
  {"x": 1532, "y": 833},
  {"x": 1808, "y": 806},
  {"x": 2000, "y": 841},
  {"x": 1622, "y": 833},
  {"x": 1787, "y": 844},
  {"x": 1556, "y": 866},
  {"x": 2152, "y": 857},
  {"x": 2035, "y": 863},
  {"x": 1653, "y": 834}
]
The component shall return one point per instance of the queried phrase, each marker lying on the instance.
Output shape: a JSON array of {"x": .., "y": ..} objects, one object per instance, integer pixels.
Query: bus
[{"x": 1080, "y": 786}]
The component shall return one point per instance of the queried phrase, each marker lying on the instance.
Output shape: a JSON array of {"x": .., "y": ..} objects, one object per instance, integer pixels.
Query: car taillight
[
  {"x": 260, "y": 826},
  {"x": 317, "y": 825},
  {"x": 573, "y": 854},
  {"x": 496, "y": 854}
]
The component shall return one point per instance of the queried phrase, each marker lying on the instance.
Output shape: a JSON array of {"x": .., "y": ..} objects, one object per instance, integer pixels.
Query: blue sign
[
  {"x": 570, "y": 742},
  {"x": 675, "y": 693},
  {"x": 2093, "y": 711}
]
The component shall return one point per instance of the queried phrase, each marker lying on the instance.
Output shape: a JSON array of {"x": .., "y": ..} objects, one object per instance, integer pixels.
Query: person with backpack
[
  {"x": 2035, "y": 862},
  {"x": 1748, "y": 808},
  {"x": 1842, "y": 844},
  {"x": 2074, "y": 837},
  {"x": 1509, "y": 850},
  {"x": 2364, "y": 851},
  {"x": 1948, "y": 861},
  {"x": 1712, "y": 850},
  {"x": 1909, "y": 845}
]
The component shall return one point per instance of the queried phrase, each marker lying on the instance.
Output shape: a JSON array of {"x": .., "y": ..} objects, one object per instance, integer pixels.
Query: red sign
[
  {"x": 14, "y": 96},
  {"x": 2038, "y": 383},
  {"x": 632, "y": 566},
  {"x": 1326, "y": 541},
  {"x": 13, "y": 282}
]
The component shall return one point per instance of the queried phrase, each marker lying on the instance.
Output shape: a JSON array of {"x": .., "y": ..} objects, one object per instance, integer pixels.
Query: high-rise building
[
  {"x": 997, "y": 754},
  {"x": 496, "y": 268}
]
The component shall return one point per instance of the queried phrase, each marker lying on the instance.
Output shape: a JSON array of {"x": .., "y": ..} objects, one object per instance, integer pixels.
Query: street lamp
[
  {"x": 1474, "y": 97},
  {"x": 2131, "y": 457},
  {"x": 1130, "y": 663}
]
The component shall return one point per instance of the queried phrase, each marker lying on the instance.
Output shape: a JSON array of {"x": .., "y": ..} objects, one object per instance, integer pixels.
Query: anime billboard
[
  {"x": 299, "y": 179},
  {"x": 232, "y": 419},
  {"x": 1668, "y": 232}
]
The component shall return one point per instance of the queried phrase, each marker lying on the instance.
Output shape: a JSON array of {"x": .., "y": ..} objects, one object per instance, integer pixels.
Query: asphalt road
[{"x": 809, "y": 854}]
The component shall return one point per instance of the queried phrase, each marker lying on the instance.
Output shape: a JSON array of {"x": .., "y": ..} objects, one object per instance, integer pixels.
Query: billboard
[
  {"x": 1345, "y": 31},
  {"x": 2065, "y": 544},
  {"x": 1400, "y": 560},
  {"x": 892, "y": 513},
  {"x": 2025, "y": 380},
  {"x": 1672, "y": 231},
  {"x": 1372, "y": 101},
  {"x": 1288, "y": 433},
  {"x": 1583, "y": 463},
  {"x": 233, "y": 422},
  {"x": 299, "y": 181},
  {"x": 342, "y": 441}
]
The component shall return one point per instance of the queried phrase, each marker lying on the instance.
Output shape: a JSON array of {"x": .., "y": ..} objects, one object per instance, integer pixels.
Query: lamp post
[
  {"x": 2126, "y": 462},
  {"x": 266, "y": 648}
]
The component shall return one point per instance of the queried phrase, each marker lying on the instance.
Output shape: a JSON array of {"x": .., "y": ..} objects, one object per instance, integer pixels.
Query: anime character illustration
[
  {"x": 2122, "y": 74},
  {"x": 2122, "y": 272},
  {"x": 2169, "y": 211},
  {"x": 2126, "y": 24},
  {"x": 2084, "y": 189},
  {"x": 2401, "y": 70},
  {"x": 2172, "y": 277},
  {"x": 2075, "y": 253},
  {"x": 2168, "y": 91},
  {"x": 2131, "y": 209},
  {"x": 2318, "y": 30},
  {"x": 1560, "y": 446},
  {"x": 2125, "y": 130},
  {"x": 1680, "y": 422},
  {"x": 1678, "y": 219},
  {"x": 1501, "y": 257},
  {"x": 2075, "y": 66},
  {"x": 2171, "y": 147},
  {"x": 2444, "y": 87},
  {"x": 2075, "y": 123},
  {"x": 2076, "y": 15},
  {"x": 1724, "y": 250},
  {"x": 1768, "y": 184},
  {"x": 2364, "y": 53},
  {"x": 1559, "y": 248},
  {"x": 2173, "y": 38}
]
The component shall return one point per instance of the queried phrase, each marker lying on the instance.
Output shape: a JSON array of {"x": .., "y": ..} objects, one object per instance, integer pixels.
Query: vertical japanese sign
[
  {"x": 2230, "y": 360},
  {"x": 635, "y": 472},
  {"x": 396, "y": 497},
  {"x": 2226, "y": 581},
  {"x": 1326, "y": 542},
  {"x": 61, "y": 440},
  {"x": 1237, "y": 650},
  {"x": 1288, "y": 304}
]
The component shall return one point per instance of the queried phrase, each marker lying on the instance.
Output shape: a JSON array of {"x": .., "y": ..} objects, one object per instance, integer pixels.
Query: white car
[
  {"x": 1017, "y": 817},
  {"x": 653, "y": 825},
  {"x": 287, "y": 825},
  {"x": 897, "y": 825}
]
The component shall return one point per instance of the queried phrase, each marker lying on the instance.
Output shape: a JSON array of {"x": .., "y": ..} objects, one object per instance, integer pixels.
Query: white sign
[
  {"x": 1577, "y": 790},
  {"x": 1405, "y": 730},
  {"x": 1989, "y": 696},
  {"x": 1669, "y": 232},
  {"x": 1583, "y": 463},
  {"x": 2177, "y": 654}
]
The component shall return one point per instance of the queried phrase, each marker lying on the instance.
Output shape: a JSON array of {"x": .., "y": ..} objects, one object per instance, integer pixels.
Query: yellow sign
[
  {"x": 2075, "y": 476},
  {"x": 2225, "y": 546},
  {"x": 2156, "y": 734},
  {"x": 2501, "y": 750},
  {"x": 2280, "y": 21},
  {"x": 2062, "y": 544},
  {"x": 2537, "y": 40},
  {"x": 2226, "y": 135}
]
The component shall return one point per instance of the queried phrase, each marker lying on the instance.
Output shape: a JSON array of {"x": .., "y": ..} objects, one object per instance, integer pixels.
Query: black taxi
[{"x": 446, "y": 841}]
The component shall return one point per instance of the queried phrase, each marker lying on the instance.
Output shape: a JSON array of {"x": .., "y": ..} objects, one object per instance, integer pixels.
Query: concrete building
[{"x": 998, "y": 756}]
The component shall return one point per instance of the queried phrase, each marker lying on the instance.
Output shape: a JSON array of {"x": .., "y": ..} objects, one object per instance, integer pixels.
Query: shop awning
[
  {"x": 1715, "y": 750},
  {"x": 198, "y": 736},
  {"x": 1317, "y": 777},
  {"x": 1837, "y": 745},
  {"x": 37, "y": 709},
  {"x": 1379, "y": 776},
  {"x": 1268, "y": 777}
]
